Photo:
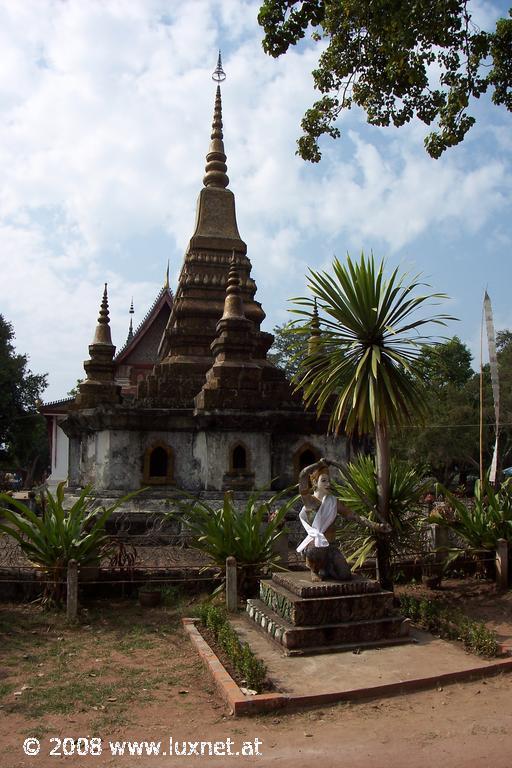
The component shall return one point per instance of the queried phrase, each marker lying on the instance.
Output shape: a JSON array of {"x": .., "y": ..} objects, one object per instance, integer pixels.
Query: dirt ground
[{"x": 125, "y": 673}]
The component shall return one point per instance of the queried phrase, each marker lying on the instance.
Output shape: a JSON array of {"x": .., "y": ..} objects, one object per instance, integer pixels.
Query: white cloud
[{"x": 106, "y": 111}]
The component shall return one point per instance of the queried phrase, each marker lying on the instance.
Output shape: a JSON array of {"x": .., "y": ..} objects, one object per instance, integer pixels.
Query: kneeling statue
[{"x": 323, "y": 557}]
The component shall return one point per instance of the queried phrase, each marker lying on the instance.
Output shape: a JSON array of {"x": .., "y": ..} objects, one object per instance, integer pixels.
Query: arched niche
[
  {"x": 240, "y": 475},
  {"x": 238, "y": 459},
  {"x": 304, "y": 456},
  {"x": 158, "y": 465}
]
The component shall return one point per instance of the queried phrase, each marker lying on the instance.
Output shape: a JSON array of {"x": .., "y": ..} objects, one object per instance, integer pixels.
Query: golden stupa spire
[
  {"x": 102, "y": 334},
  {"x": 314, "y": 340},
  {"x": 215, "y": 170},
  {"x": 233, "y": 303}
]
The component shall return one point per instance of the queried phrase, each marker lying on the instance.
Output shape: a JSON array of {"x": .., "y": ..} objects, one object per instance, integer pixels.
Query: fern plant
[
  {"x": 482, "y": 521},
  {"x": 245, "y": 534},
  {"x": 59, "y": 535},
  {"x": 358, "y": 491}
]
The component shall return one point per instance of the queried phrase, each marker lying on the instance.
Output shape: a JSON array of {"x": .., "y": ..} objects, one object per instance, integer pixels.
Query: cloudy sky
[{"x": 106, "y": 109}]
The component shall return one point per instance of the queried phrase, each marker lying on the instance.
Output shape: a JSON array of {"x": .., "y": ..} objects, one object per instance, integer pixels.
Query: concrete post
[
  {"x": 72, "y": 591},
  {"x": 438, "y": 539},
  {"x": 502, "y": 564},
  {"x": 231, "y": 585}
]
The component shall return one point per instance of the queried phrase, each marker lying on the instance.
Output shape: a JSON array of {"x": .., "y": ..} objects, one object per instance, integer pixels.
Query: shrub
[
  {"x": 358, "y": 491},
  {"x": 243, "y": 534},
  {"x": 450, "y": 624},
  {"x": 60, "y": 534},
  {"x": 484, "y": 520},
  {"x": 252, "y": 670}
]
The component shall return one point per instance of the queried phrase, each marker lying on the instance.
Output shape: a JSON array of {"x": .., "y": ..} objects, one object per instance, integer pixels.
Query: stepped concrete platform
[{"x": 307, "y": 617}]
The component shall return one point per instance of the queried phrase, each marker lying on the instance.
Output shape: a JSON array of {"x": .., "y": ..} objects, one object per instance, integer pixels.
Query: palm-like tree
[{"x": 361, "y": 369}]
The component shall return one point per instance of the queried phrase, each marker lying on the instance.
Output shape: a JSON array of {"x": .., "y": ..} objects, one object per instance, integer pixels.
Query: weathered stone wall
[
  {"x": 111, "y": 459},
  {"x": 287, "y": 449},
  {"x": 216, "y": 459}
]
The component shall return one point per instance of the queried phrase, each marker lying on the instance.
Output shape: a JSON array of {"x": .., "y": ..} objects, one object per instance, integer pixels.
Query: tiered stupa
[{"x": 214, "y": 413}]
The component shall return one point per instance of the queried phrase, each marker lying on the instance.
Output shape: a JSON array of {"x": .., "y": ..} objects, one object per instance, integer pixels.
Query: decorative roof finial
[
  {"x": 233, "y": 304},
  {"x": 166, "y": 281},
  {"x": 102, "y": 334},
  {"x": 130, "y": 330},
  {"x": 219, "y": 75},
  {"x": 215, "y": 171},
  {"x": 314, "y": 340},
  {"x": 99, "y": 386}
]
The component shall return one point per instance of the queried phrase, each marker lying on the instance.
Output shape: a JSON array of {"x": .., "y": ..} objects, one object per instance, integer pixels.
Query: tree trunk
[{"x": 383, "y": 464}]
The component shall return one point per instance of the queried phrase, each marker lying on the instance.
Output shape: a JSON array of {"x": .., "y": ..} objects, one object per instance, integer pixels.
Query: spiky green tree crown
[{"x": 372, "y": 332}]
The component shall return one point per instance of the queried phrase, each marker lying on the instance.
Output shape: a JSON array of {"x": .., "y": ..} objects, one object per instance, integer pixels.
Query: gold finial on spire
[
  {"x": 219, "y": 75},
  {"x": 314, "y": 326},
  {"x": 215, "y": 170},
  {"x": 130, "y": 329},
  {"x": 166, "y": 281},
  {"x": 102, "y": 334}
]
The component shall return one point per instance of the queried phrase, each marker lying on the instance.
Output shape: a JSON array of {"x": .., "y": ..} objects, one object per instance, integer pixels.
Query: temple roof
[{"x": 164, "y": 300}]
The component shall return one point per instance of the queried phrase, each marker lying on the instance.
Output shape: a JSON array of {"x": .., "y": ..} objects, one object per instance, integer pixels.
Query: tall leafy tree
[
  {"x": 23, "y": 439},
  {"x": 289, "y": 347},
  {"x": 504, "y": 347},
  {"x": 362, "y": 370},
  {"x": 448, "y": 441},
  {"x": 397, "y": 60}
]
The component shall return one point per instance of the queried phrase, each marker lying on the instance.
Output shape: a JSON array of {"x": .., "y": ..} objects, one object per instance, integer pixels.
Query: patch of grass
[
  {"x": 38, "y": 731},
  {"x": 110, "y": 721},
  {"x": 59, "y": 698},
  {"x": 139, "y": 637},
  {"x": 5, "y": 689},
  {"x": 67, "y": 669},
  {"x": 60, "y": 692}
]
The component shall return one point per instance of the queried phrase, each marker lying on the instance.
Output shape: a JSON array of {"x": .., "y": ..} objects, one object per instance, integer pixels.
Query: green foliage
[
  {"x": 482, "y": 521},
  {"x": 362, "y": 368},
  {"x": 172, "y": 596},
  {"x": 448, "y": 443},
  {"x": 385, "y": 56},
  {"x": 243, "y": 534},
  {"x": 370, "y": 342},
  {"x": 23, "y": 436},
  {"x": 450, "y": 624},
  {"x": 358, "y": 491},
  {"x": 243, "y": 659},
  {"x": 60, "y": 534},
  {"x": 289, "y": 348},
  {"x": 73, "y": 392},
  {"x": 444, "y": 365}
]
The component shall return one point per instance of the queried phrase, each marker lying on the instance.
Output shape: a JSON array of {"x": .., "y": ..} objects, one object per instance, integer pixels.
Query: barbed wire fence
[{"x": 155, "y": 548}]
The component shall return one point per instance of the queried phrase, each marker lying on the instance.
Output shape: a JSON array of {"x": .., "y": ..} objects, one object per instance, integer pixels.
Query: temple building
[
  {"x": 213, "y": 413},
  {"x": 133, "y": 363}
]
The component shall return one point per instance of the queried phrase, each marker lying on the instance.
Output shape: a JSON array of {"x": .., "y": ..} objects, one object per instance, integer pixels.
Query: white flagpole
[{"x": 493, "y": 365}]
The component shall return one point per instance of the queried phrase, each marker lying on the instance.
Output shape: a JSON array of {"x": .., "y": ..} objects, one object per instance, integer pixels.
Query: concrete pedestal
[{"x": 317, "y": 617}]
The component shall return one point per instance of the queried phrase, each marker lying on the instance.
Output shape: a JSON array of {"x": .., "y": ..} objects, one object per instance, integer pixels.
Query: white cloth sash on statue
[{"x": 325, "y": 516}]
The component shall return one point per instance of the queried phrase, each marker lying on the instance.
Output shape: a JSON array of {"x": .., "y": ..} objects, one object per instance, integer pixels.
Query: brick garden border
[{"x": 240, "y": 704}]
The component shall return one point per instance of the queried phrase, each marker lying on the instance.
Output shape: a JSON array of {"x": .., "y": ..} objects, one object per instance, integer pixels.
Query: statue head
[{"x": 320, "y": 480}]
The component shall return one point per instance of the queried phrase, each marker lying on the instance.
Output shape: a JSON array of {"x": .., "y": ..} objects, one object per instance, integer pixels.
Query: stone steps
[
  {"x": 323, "y": 610},
  {"x": 347, "y": 635}
]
